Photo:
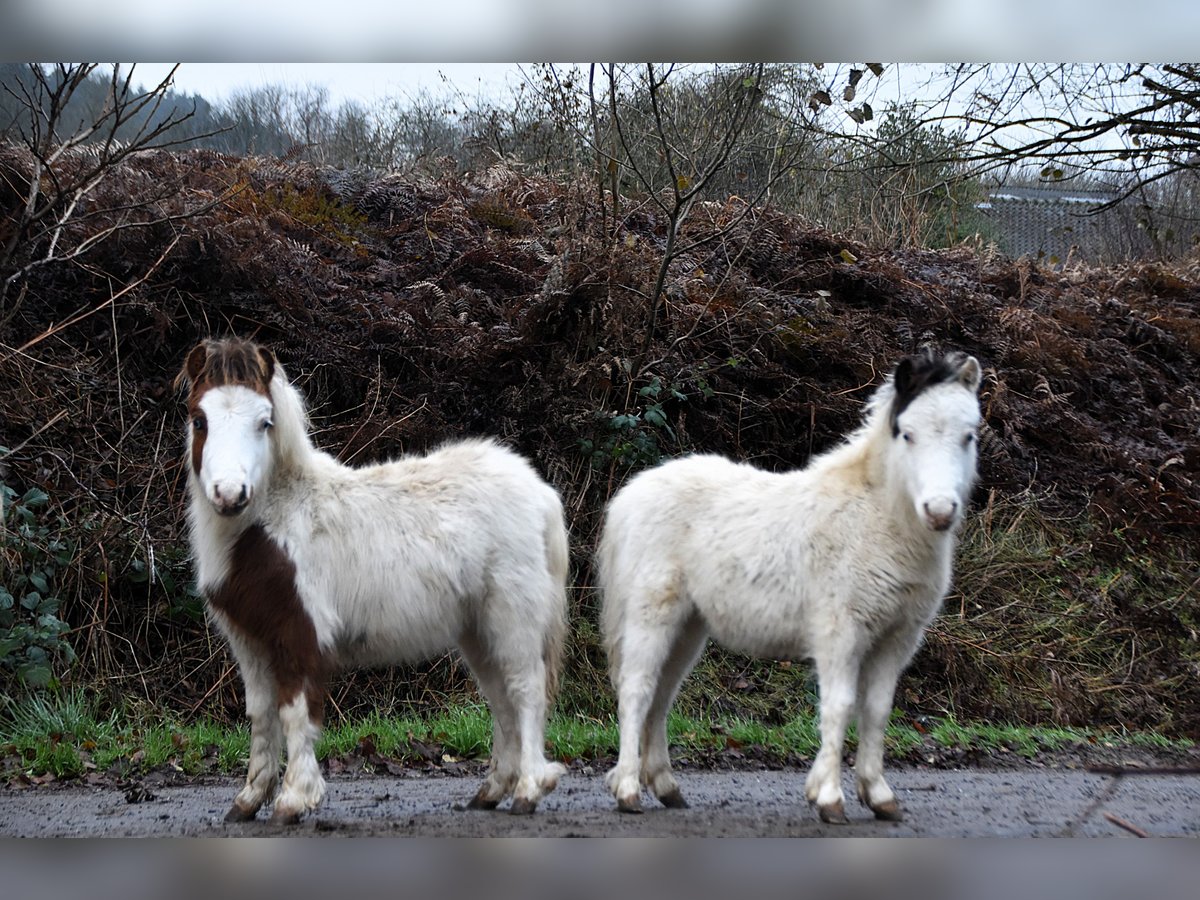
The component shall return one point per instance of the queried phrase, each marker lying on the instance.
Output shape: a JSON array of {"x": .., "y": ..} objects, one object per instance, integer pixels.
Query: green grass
[{"x": 67, "y": 735}]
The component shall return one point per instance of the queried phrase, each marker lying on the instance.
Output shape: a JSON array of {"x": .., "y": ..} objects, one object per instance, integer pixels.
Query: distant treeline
[{"x": 905, "y": 186}]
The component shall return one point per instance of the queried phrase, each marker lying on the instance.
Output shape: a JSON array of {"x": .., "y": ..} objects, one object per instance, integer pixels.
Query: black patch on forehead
[{"x": 916, "y": 374}]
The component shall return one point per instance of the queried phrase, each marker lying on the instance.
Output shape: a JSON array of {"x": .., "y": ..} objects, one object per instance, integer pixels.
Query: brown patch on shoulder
[
  {"x": 259, "y": 599},
  {"x": 217, "y": 363}
]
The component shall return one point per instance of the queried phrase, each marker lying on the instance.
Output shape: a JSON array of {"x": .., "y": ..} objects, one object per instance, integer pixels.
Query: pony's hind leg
[
  {"x": 645, "y": 649},
  {"x": 502, "y": 767},
  {"x": 262, "y": 774},
  {"x": 837, "y": 676},
  {"x": 538, "y": 776},
  {"x": 656, "y": 760}
]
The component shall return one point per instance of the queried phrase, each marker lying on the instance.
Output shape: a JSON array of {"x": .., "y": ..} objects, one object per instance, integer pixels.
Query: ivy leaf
[
  {"x": 823, "y": 98},
  {"x": 867, "y": 113},
  {"x": 876, "y": 68},
  {"x": 848, "y": 93},
  {"x": 848, "y": 257},
  {"x": 855, "y": 76}
]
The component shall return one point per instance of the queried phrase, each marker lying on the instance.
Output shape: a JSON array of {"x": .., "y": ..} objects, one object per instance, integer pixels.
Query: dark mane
[
  {"x": 917, "y": 373},
  {"x": 214, "y": 363}
]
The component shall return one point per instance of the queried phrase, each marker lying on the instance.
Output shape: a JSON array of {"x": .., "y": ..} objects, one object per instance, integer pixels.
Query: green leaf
[
  {"x": 34, "y": 497},
  {"x": 36, "y": 675},
  {"x": 38, "y": 580},
  {"x": 655, "y": 416},
  {"x": 31, "y": 600}
]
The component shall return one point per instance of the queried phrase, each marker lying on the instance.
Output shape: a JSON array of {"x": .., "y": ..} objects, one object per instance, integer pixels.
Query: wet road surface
[{"x": 937, "y": 803}]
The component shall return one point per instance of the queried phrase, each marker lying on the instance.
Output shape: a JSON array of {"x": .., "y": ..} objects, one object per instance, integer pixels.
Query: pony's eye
[
  {"x": 908, "y": 438},
  {"x": 969, "y": 439},
  {"x": 267, "y": 425},
  {"x": 199, "y": 423}
]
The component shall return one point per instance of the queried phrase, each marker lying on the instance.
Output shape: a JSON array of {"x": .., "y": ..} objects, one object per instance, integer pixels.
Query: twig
[
  {"x": 61, "y": 414},
  {"x": 54, "y": 329},
  {"x": 1121, "y": 823},
  {"x": 212, "y": 690}
]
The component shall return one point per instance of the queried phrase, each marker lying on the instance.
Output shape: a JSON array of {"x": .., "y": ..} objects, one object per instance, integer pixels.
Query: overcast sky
[{"x": 346, "y": 81}]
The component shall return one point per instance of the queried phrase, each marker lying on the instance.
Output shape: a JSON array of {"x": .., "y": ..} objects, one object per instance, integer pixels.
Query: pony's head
[
  {"x": 230, "y": 417},
  {"x": 934, "y": 417}
]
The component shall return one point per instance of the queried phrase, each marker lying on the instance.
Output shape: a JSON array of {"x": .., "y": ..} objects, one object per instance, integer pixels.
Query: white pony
[
  {"x": 308, "y": 565},
  {"x": 844, "y": 562}
]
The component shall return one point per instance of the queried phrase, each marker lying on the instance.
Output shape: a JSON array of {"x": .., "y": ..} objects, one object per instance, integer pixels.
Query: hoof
[
  {"x": 833, "y": 814},
  {"x": 629, "y": 804},
  {"x": 888, "y": 812},
  {"x": 522, "y": 807},
  {"x": 285, "y": 817},
  {"x": 239, "y": 813},
  {"x": 673, "y": 799},
  {"x": 481, "y": 801}
]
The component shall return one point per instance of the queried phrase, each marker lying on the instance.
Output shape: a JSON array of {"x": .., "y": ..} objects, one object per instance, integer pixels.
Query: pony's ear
[
  {"x": 192, "y": 366},
  {"x": 970, "y": 374},
  {"x": 902, "y": 378},
  {"x": 267, "y": 358}
]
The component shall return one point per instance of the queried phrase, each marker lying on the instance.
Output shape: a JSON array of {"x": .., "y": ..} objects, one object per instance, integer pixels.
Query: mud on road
[{"x": 938, "y": 803}]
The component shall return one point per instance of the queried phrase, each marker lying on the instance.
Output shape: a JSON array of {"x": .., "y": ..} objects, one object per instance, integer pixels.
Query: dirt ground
[{"x": 1020, "y": 802}]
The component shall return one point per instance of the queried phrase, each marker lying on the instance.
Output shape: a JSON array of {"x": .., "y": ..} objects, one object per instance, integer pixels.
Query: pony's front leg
[
  {"x": 876, "y": 693},
  {"x": 836, "y": 676},
  {"x": 262, "y": 773},
  {"x": 303, "y": 784}
]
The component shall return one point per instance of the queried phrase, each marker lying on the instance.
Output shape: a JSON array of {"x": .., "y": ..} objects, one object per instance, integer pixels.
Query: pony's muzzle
[
  {"x": 940, "y": 513},
  {"x": 230, "y": 499}
]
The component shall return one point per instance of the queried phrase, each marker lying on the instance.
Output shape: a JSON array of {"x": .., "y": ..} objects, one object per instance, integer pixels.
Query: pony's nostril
[
  {"x": 243, "y": 497},
  {"x": 940, "y": 515}
]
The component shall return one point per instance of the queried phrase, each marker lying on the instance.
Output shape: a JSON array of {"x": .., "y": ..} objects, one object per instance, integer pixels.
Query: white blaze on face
[
  {"x": 937, "y": 455},
  {"x": 235, "y": 424}
]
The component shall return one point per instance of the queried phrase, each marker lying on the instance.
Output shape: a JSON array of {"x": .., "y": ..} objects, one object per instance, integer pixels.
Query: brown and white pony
[{"x": 309, "y": 566}]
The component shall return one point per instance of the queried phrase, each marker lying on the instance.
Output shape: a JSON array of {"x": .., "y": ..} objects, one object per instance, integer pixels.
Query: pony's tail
[{"x": 558, "y": 559}]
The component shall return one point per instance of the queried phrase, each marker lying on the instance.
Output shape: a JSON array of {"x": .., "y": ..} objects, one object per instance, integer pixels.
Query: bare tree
[
  {"x": 1133, "y": 124},
  {"x": 666, "y": 137},
  {"x": 70, "y": 150}
]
